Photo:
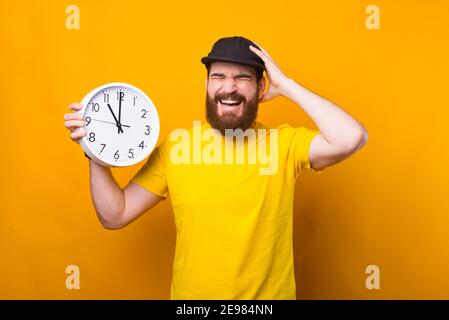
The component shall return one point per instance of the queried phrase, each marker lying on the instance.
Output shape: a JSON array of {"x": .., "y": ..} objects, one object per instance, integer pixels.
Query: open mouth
[{"x": 230, "y": 102}]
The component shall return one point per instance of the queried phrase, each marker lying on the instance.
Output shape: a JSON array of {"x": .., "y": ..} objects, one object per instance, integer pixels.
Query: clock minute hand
[
  {"x": 119, "y": 126},
  {"x": 120, "y": 108}
]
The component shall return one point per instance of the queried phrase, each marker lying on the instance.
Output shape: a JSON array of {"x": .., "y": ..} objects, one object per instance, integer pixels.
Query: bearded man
[{"x": 234, "y": 224}]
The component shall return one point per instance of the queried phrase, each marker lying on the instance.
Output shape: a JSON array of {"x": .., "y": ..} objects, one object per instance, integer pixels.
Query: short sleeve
[
  {"x": 300, "y": 146},
  {"x": 153, "y": 176}
]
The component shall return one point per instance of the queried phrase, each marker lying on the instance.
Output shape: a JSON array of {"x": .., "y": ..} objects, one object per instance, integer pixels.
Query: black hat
[{"x": 234, "y": 49}]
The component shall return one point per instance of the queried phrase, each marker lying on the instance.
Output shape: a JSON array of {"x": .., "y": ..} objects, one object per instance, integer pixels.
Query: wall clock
[{"x": 122, "y": 125}]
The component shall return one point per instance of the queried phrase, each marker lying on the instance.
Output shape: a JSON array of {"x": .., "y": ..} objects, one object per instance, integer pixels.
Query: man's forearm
[
  {"x": 107, "y": 196},
  {"x": 336, "y": 126}
]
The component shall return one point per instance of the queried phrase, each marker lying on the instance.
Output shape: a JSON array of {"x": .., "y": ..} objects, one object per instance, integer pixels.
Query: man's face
[{"x": 232, "y": 96}]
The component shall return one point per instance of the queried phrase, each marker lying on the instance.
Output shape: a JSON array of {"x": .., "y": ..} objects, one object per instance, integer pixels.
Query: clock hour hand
[{"x": 119, "y": 126}]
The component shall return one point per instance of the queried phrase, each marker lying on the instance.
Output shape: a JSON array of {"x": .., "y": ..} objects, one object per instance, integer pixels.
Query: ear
[
  {"x": 261, "y": 87},
  {"x": 205, "y": 83}
]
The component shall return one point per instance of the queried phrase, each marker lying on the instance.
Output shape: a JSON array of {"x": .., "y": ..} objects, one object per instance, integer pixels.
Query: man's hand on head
[{"x": 277, "y": 80}]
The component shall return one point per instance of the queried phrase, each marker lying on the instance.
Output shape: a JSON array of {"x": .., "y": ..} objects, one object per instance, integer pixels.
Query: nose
[{"x": 229, "y": 85}]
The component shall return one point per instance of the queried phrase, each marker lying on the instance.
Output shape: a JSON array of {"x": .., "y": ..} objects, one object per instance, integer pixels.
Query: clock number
[
  {"x": 148, "y": 130},
  {"x": 134, "y": 101},
  {"x": 95, "y": 107},
  {"x": 120, "y": 95},
  {"x": 116, "y": 155},
  {"x": 92, "y": 137},
  {"x": 144, "y": 113},
  {"x": 104, "y": 146},
  {"x": 88, "y": 119},
  {"x": 141, "y": 145},
  {"x": 130, "y": 154},
  {"x": 106, "y": 97}
]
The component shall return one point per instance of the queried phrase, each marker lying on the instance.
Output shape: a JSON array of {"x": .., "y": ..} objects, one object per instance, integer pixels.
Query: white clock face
[{"x": 121, "y": 123}]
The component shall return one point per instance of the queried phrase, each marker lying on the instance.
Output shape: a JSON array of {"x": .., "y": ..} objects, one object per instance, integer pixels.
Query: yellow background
[{"x": 387, "y": 205}]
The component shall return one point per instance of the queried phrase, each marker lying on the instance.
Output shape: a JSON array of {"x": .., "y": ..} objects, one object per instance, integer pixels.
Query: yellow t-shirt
[{"x": 233, "y": 224}]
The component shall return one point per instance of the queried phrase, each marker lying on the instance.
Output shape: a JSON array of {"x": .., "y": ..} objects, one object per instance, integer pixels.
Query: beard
[{"x": 231, "y": 121}]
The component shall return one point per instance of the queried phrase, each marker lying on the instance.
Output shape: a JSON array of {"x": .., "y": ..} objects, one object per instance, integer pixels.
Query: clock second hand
[{"x": 123, "y": 125}]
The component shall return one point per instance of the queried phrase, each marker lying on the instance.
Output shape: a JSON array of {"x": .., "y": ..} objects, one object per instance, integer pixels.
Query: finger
[
  {"x": 73, "y": 116},
  {"x": 259, "y": 53},
  {"x": 262, "y": 49},
  {"x": 256, "y": 51},
  {"x": 75, "y": 106},
  {"x": 78, "y": 134},
  {"x": 74, "y": 124},
  {"x": 263, "y": 52}
]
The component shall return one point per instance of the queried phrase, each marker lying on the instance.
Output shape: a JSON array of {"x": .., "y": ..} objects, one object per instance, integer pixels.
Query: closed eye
[{"x": 241, "y": 76}]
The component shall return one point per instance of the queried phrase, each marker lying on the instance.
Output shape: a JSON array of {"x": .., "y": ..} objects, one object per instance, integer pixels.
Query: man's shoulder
[
  {"x": 284, "y": 130},
  {"x": 280, "y": 127},
  {"x": 288, "y": 133}
]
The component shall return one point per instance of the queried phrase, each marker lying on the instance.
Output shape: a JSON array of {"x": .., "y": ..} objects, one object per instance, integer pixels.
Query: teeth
[{"x": 228, "y": 101}]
